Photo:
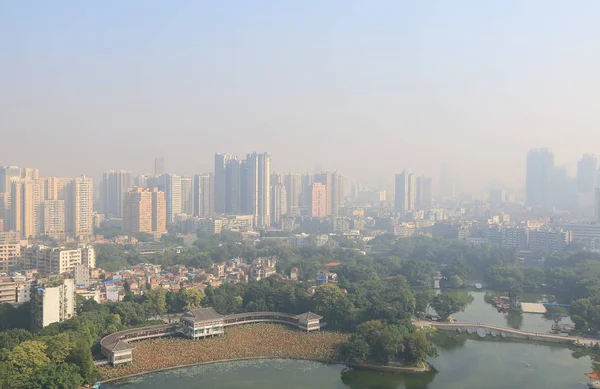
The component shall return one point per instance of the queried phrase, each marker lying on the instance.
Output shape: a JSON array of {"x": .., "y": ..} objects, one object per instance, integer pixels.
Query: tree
[
  {"x": 57, "y": 376},
  {"x": 192, "y": 298},
  {"x": 334, "y": 305},
  {"x": 420, "y": 349},
  {"x": 82, "y": 357},
  {"x": 357, "y": 350},
  {"x": 156, "y": 302},
  {"x": 423, "y": 298},
  {"x": 446, "y": 304},
  {"x": 418, "y": 272}
]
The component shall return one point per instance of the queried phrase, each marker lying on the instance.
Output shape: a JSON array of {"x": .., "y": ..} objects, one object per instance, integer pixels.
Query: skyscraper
[
  {"x": 6, "y": 174},
  {"x": 115, "y": 183},
  {"x": 423, "y": 193},
  {"x": 587, "y": 169},
  {"x": 54, "y": 219},
  {"x": 326, "y": 178},
  {"x": 257, "y": 188},
  {"x": 306, "y": 181},
  {"x": 233, "y": 186},
  {"x": 79, "y": 206},
  {"x": 25, "y": 207},
  {"x": 203, "y": 195},
  {"x": 220, "y": 181},
  {"x": 293, "y": 187},
  {"x": 318, "y": 205},
  {"x": 159, "y": 166},
  {"x": 405, "y": 189},
  {"x": 538, "y": 181},
  {"x": 338, "y": 183},
  {"x": 172, "y": 189},
  {"x": 187, "y": 196},
  {"x": 144, "y": 210},
  {"x": 278, "y": 203}
]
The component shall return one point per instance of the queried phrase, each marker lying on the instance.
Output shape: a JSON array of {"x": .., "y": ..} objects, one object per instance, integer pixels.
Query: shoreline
[{"x": 364, "y": 366}]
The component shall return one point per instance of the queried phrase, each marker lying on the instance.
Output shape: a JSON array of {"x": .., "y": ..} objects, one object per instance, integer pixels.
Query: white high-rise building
[
  {"x": 258, "y": 188},
  {"x": 278, "y": 203},
  {"x": 187, "y": 196},
  {"x": 79, "y": 204},
  {"x": 25, "y": 213},
  {"x": 171, "y": 185},
  {"x": 52, "y": 302},
  {"x": 293, "y": 187},
  {"x": 54, "y": 219},
  {"x": 115, "y": 183},
  {"x": 405, "y": 192},
  {"x": 203, "y": 195}
]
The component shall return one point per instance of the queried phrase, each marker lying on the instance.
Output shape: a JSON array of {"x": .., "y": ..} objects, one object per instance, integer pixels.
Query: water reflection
[
  {"x": 449, "y": 342},
  {"x": 514, "y": 320},
  {"x": 363, "y": 379}
]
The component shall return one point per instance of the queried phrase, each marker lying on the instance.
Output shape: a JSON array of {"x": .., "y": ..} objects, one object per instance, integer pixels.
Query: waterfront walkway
[{"x": 505, "y": 332}]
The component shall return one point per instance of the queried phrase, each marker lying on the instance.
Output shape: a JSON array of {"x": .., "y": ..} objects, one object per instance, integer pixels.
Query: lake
[{"x": 463, "y": 363}]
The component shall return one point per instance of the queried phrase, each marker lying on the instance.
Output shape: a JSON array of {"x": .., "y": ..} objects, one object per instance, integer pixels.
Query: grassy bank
[{"x": 243, "y": 342}]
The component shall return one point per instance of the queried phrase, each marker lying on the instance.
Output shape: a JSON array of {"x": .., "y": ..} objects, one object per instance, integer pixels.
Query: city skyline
[{"x": 428, "y": 94}]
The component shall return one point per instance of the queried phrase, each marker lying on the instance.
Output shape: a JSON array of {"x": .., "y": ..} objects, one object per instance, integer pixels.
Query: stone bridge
[{"x": 483, "y": 330}]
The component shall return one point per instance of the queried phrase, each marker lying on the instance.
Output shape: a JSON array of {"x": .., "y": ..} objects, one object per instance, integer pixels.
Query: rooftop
[{"x": 202, "y": 314}]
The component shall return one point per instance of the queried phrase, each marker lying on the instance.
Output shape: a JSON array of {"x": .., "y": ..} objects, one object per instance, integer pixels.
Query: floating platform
[{"x": 533, "y": 308}]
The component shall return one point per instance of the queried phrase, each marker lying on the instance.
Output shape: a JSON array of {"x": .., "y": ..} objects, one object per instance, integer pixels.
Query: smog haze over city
[{"x": 365, "y": 88}]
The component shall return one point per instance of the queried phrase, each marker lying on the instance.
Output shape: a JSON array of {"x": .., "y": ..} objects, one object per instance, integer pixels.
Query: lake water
[
  {"x": 479, "y": 311},
  {"x": 463, "y": 363}
]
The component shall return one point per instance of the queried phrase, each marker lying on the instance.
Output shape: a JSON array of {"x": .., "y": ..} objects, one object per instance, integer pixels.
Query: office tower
[
  {"x": 143, "y": 180},
  {"x": 220, "y": 181},
  {"x": 203, "y": 195},
  {"x": 159, "y": 166},
  {"x": 52, "y": 304},
  {"x": 597, "y": 203},
  {"x": 79, "y": 206},
  {"x": 25, "y": 207},
  {"x": 587, "y": 169},
  {"x": 338, "y": 183},
  {"x": 187, "y": 196},
  {"x": 326, "y": 178},
  {"x": 306, "y": 181},
  {"x": 8, "y": 173},
  {"x": 423, "y": 193},
  {"x": 233, "y": 187},
  {"x": 318, "y": 204},
  {"x": 54, "y": 219},
  {"x": 115, "y": 183},
  {"x": 293, "y": 187},
  {"x": 405, "y": 189},
  {"x": 257, "y": 188},
  {"x": 538, "y": 181},
  {"x": 278, "y": 203}
]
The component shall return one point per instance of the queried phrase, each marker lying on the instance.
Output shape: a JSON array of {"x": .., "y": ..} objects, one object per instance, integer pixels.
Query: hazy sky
[{"x": 364, "y": 87}]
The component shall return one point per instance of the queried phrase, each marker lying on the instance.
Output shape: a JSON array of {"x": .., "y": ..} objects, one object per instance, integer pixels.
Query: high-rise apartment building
[
  {"x": 405, "y": 192},
  {"x": 144, "y": 210},
  {"x": 10, "y": 255},
  {"x": 306, "y": 181},
  {"x": 159, "y": 166},
  {"x": 203, "y": 195},
  {"x": 58, "y": 260},
  {"x": 52, "y": 301},
  {"x": 538, "y": 181},
  {"x": 170, "y": 184},
  {"x": 8, "y": 173},
  {"x": 587, "y": 171},
  {"x": 25, "y": 207},
  {"x": 326, "y": 178},
  {"x": 293, "y": 187},
  {"x": 187, "y": 196},
  {"x": 54, "y": 225},
  {"x": 318, "y": 204},
  {"x": 79, "y": 204},
  {"x": 54, "y": 187},
  {"x": 220, "y": 181},
  {"x": 115, "y": 183},
  {"x": 338, "y": 183},
  {"x": 233, "y": 186},
  {"x": 257, "y": 190},
  {"x": 278, "y": 203},
  {"x": 423, "y": 193}
]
